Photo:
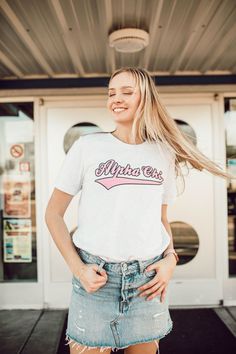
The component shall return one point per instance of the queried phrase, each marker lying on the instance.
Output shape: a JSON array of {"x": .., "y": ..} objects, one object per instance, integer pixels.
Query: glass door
[
  {"x": 230, "y": 141},
  {"x": 18, "y": 236}
]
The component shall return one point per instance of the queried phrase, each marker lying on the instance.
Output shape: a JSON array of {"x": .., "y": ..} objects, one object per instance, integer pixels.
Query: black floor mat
[{"x": 195, "y": 331}]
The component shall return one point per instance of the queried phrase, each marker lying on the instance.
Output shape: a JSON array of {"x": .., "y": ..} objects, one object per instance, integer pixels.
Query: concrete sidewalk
[{"x": 208, "y": 330}]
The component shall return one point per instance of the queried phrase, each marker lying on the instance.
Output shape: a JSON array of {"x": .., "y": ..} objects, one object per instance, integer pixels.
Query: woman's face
[{"x": 123, "y": 94}]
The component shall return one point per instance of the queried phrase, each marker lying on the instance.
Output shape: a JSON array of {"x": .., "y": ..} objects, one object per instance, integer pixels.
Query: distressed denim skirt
[{"x": 115, "y": 316}]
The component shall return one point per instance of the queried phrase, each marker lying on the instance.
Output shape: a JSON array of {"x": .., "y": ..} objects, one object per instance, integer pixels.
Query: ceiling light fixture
[{"x": 129, "y": 40}]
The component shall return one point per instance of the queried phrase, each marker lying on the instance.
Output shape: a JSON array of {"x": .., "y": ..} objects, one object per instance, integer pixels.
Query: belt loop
[
  {"x": 141, "y": 266},
  {"x": 101, "y": 265}
]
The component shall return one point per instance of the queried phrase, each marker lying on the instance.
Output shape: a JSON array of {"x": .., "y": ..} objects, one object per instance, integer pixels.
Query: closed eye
[{"x": 126, "y": 93}]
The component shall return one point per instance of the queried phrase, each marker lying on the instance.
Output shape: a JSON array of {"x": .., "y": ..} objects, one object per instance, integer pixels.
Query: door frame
[
  {"x": 29, "y": 294},
  {"x": 219, "y": 187},
  {"x": 229, "y": 283},
  {"x": 33, "y": 295}
]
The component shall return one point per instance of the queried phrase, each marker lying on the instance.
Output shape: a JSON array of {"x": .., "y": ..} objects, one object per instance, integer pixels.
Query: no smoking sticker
[{"x": 17, "y": 150}]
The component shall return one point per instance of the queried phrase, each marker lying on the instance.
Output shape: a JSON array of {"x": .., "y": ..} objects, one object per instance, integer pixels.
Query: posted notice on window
[{"x": 17, "y": 240}]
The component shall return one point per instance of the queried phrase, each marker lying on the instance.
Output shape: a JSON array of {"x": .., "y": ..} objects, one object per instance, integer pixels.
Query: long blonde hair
[{"x": 152, "y": 122}]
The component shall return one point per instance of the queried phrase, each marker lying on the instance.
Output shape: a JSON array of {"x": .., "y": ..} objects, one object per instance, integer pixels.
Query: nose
[{"x": 117, "y": 98}]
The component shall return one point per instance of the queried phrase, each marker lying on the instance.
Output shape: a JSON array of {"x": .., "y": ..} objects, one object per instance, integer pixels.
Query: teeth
[{"x": 119, "y": 109}]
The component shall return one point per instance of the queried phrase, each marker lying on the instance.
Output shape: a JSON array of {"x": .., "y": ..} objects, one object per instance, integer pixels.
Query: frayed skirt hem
[{"x": 86, "y": 346}]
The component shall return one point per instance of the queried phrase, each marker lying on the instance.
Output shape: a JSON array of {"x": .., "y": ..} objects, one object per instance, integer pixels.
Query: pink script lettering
[{"x": 113, "y": 168}]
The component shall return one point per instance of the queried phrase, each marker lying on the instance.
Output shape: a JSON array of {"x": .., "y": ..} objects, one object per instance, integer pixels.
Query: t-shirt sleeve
[
  {"x": 170, "y": 191},
  {"x": 70, "y": 176}
]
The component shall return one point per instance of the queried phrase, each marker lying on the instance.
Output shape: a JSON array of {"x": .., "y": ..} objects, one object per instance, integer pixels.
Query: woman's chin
[
  {"x": 125, "y": 123},
  {"x": 121, "y": 119}
]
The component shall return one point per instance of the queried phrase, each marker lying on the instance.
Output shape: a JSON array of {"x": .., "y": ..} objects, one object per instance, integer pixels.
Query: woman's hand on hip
[{"x": 158, "y": 285}]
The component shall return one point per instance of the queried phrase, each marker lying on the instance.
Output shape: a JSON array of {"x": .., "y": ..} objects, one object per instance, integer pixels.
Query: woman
[{"x": 122, "y": 252}]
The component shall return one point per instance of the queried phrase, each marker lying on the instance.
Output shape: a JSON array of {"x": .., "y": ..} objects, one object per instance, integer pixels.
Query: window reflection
[
  {"x": 187, "y": 130},
  {"x": 76, "y": 131},
  {"x": 186, "y": 241},
  {"x": 230, "y": 137}
]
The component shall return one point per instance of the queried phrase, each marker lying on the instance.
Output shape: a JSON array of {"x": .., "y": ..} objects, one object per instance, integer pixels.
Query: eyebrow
[{"x": 121, "y": 87}]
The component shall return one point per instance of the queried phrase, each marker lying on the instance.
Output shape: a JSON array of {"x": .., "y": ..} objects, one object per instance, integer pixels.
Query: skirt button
[{"x": 125, "y": 266}]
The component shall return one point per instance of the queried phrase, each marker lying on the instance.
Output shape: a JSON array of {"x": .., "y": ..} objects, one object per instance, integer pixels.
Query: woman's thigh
[
  {"x": 143, "y": 348},
  {"x": 76, "y": 350}
]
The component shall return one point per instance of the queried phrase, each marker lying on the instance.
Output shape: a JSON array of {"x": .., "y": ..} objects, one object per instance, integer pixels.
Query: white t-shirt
[{"x": 122, "y": 189}]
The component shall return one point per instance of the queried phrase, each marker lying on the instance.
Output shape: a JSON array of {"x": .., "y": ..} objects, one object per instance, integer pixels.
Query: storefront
[{"x": 35, "y": 135}]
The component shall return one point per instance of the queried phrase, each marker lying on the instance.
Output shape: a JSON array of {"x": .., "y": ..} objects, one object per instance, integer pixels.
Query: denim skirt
[{"x": 114, "y": 316}]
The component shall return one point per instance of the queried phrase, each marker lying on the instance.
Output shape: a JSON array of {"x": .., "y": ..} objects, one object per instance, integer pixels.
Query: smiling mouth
[{"x": 119, "y": 110}]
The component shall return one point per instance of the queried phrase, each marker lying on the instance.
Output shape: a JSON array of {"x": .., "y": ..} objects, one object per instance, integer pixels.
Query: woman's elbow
[
  {"x": 47, "y": 215},
  {"x": 164, "y": 220},
  {"x": 50, "y": 213},
  {"x": 57, "y": 204}
]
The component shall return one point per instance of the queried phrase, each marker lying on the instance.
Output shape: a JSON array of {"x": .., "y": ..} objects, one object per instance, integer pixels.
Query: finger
[
  {"x": 103, "y": 272},
  {"x": 157, "y": 287},
  {"x": 101, "y": 276},
  {"x": 163, "y": 294},
  {"x": 99, "y": 271},
  {"x": 151, "y": 289},
  {"x": 99, "y": 280},
  {"x": 153, "y": 266},
  {"x": 155, "y": 293},
  {"x": 149, "y": 284}
]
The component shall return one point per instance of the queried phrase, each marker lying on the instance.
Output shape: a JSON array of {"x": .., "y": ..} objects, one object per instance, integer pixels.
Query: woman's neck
[{"x": 125, "y": 137}]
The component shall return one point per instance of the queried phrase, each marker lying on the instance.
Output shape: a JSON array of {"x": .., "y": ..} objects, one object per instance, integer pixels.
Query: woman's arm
[
  {"x": 166, "y": 224},
  {"x": 54, "y": 217}
]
